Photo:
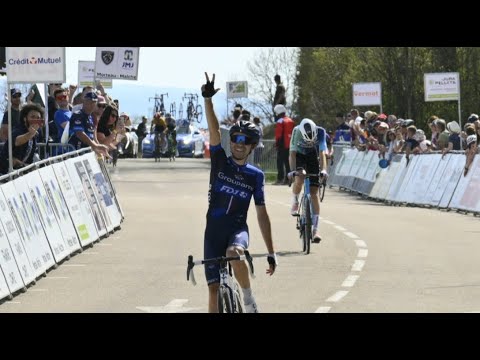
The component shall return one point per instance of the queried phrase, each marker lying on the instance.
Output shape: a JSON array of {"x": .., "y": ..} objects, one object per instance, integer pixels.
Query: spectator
[
  {"x": 16, "y": 96},
  {"x": 454, "y": 141},
  {"x": 24, "y": 138},
  {"x": 61, "y": 117},
  {"x": 283, "y": 134},
  {"x": 443, "y": 134},
  {"x": 342, "y": 132},
  {"x": 82, "y": 128},
  {"x": 280, "y": 92},
  {"x": 471, "y": 148},
  {"x": 257, "y": 153}
]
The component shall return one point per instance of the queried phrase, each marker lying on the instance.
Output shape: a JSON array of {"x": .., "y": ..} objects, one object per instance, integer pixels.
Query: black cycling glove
[
  {"x": 272, "y": 260},
  {"x": 208, "y": 90}
]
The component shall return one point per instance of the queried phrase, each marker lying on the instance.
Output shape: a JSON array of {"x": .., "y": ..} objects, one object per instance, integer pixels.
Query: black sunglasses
[{"x": 239, "y": 138}]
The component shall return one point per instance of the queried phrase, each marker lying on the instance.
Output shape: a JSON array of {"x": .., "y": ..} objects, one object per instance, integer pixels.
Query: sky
[{"x": 181, "y": 67}]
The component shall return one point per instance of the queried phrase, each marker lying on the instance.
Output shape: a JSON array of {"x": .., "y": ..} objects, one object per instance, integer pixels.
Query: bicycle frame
[
  {"x": 229, "y": 298},
  {"x": 305, "y": 213}
]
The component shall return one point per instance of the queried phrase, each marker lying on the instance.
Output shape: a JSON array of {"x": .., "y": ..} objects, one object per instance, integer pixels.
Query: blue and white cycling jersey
[
  {"x": 232, "y": 187},
  {"x": 300, "y": 146}
]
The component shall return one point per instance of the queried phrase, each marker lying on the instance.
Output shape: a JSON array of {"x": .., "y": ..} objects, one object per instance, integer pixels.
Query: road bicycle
[
  {"x": 229, "y": 298},
  {"x": 173, "y": 111},
  {"x": 159, "y": 104},
  {"x": 305, "y": 209},
  {"x": 194, "y": 110},
  {"x": 160, "y": 141}
]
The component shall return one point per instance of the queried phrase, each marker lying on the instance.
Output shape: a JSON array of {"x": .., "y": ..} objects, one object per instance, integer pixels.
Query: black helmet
[{"x": 248, "y": 128}]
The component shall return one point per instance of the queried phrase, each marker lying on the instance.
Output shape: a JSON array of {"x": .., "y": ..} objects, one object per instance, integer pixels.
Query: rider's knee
[{"x": 234, "y": 251}]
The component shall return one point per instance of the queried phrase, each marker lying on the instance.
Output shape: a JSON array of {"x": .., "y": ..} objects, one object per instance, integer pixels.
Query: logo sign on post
[
  {"x": 35, "y": 64},
  {"x": 442, "y": 86},
  {"x": 117, "y": 63},
  {"x": 367, "y": 94},
  {"x": 86, "y": 75},
  {"x": 237, "y": 89}
]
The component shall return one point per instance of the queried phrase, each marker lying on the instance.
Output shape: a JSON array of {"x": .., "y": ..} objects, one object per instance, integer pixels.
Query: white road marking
[
  {"x": 38, "y": 290},
  {"x": 11, "y": 302},
  {"x": 90, "y": 253},
  {"x": 323, "y": 309},
  {"x": 337, "y": 296},
  {"x": 174, "y": 306},
  {"x": 351, "y": 235},
  {"x": 350, "y": 280},
  {"x": 103, "y": 244},
  {"x": 362, "y": 253},
  {"x": 328, "y": 222},
  {"x": 57, "y": 277},
  {"x": 73, "y": 265},
  {"x": 341, "y": 228},
  {"x": 358, "y": 265},
  {"x": 360, "y": 243}
]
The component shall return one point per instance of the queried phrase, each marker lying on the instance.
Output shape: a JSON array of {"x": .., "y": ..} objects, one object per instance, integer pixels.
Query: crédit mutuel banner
[
  {"x": 117, "y": 63},
  {"x": 35, "y": 64}
]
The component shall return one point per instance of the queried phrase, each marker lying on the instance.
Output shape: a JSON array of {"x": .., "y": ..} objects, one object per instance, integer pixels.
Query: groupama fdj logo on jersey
[{"x": 35, "y": 60}]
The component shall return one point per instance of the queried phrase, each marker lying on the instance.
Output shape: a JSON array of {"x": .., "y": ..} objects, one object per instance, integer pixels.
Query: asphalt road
[{"x": 373, "y": 258}]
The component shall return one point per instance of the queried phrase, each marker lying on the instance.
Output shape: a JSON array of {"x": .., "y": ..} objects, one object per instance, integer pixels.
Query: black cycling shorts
[{"x": 311, "y": 165}]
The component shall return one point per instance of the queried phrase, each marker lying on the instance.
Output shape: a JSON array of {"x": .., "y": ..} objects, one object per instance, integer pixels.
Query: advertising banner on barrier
[
  {"x": 111, "y": 187},
  {"x": 13, "y": 279},
  {"x": 18, "y": 207},
  {"x": 80, "y": 180},
  {"x": 77, "y": 204},
  {"x": 16, "y": 244},
  {"x": 437, "y": 186},
  {"x": 427, "y": 164},
  {"x": 42, "y": 205},
  {"x": 60, "y": 208},
  {"x": 7, "y": 257},
  {"x": 97, "y": 178},
  {"x": 102, "y": 201},
  {"x": 456, "y": 164},
  {"x": 33, "y": 215},
  {"x": 467, "y": 193},
  {"x": 4, "y": 291}
]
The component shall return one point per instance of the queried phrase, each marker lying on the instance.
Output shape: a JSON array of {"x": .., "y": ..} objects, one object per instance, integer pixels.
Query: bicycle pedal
[{"x": 296, "y": 215}]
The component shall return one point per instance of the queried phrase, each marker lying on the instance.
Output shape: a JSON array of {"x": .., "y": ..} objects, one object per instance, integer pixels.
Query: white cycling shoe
[{"x": 294, "y": 209}]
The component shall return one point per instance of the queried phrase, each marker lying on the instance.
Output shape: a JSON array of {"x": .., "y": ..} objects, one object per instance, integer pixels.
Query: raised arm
[{"x": 208, "y": 91}]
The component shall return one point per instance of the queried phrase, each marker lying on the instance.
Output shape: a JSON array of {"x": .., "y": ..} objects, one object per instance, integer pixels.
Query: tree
[{"x": 266, "y": 64}]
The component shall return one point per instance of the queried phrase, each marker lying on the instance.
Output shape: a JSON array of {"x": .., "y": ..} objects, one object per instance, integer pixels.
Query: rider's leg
[
  {"x": 316, "y": 212},
  {"x": 296, "y": 189},
  {"x": 213, "y": 298},
  {"x": 238, "y": 242}
]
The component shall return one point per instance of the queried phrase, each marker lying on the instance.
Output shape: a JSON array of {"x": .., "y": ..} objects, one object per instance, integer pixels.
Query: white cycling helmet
[
  {"x": 308, "y": 129},
  {"x": 280, "y": 109}
]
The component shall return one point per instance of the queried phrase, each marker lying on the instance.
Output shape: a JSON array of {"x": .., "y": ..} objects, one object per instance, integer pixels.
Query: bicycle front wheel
[
  {"x": 224, "y": 301},
  {"x": 199, "y": 113}
]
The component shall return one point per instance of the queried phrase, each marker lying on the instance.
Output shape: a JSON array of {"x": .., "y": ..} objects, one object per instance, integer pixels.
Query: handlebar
[
  {"x": 222, "y": 260},
  {"x": 304, "y": 173}
]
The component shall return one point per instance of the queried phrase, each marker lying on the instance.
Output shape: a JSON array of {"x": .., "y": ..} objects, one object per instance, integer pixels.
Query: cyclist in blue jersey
[
  {"x": 233, "y": 183},
  {"x": 307, "y": 150}
]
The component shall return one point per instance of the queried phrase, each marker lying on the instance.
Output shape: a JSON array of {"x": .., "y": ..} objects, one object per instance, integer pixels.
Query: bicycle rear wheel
[
  {"x": 224, "y": 301},
  {"x": 180, "y": 111},
  {"x": 199, "y": 113},
  {"x": 307, "y": 233}
]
